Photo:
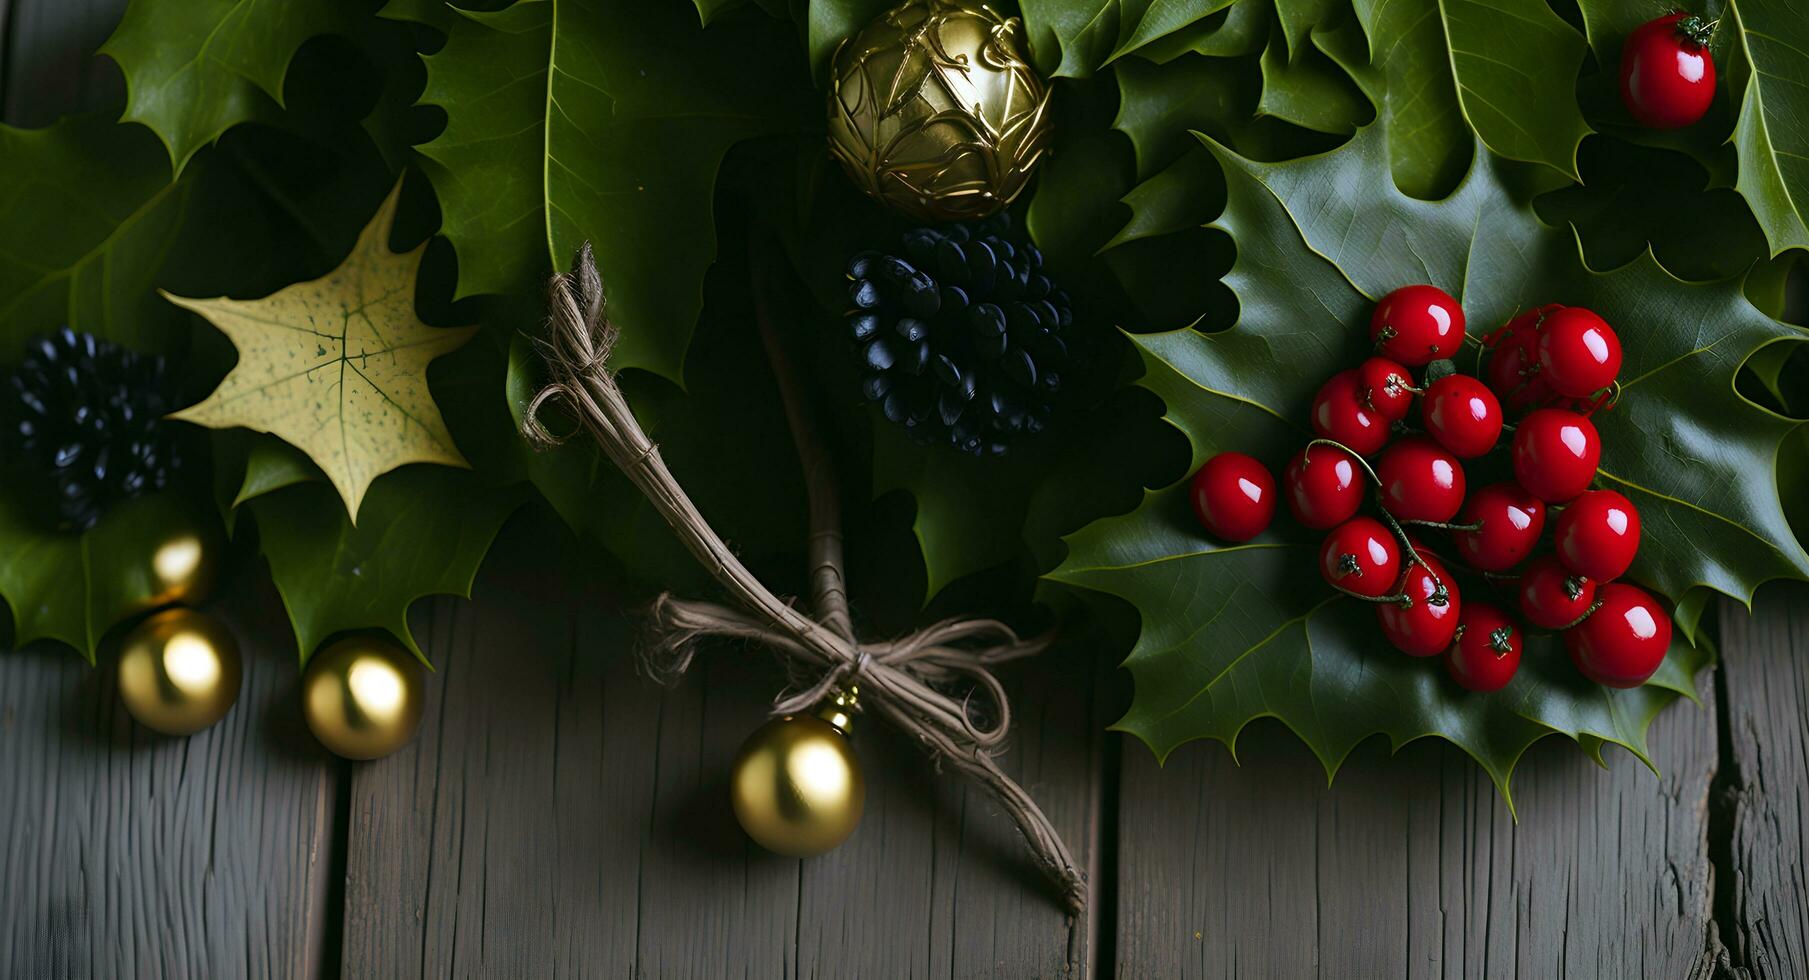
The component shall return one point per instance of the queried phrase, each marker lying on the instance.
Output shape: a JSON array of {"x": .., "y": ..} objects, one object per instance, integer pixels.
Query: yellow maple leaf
[{"x": 337, "y": 367}]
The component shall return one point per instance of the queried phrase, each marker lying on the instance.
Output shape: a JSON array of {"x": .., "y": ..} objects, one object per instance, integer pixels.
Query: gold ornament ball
[
  {"x": 797, "y": 788},
  {"x": 179, "y": 671},
  {"x": 934, "y": 110},
  {"x": 362, "y": 697},
  {"x": 181, "y": 566}
]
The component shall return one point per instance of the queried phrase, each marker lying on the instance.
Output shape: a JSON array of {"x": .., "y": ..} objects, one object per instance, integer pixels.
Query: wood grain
[
  {"x": 1766, "y": 920},
  {"x": 560, "y": 814},
  {"x": 1411, "y": 866},
  {"x": 130, "y": 854}
]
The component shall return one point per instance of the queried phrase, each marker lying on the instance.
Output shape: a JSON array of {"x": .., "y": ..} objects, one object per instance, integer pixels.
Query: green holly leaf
[
  {"x": 423, "y": 530},
  {"x": 73, "y": 588},
  {"x": 1074, "y": 38},
  {"x": 91, "y": 218},
  {"x": 580, "y": 120},
  {"x": 1310, "y": 91},
  {"x": 1234, "y": 32},
  {"x": 196, "y": 68},
  {"x": 1770, "y": 70},
  {"x": 1437, "y": 69},
  {"x": 1231, "y": 633}
]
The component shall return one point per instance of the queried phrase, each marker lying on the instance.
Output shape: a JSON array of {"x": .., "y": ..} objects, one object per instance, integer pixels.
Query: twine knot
[{"x": 907, "y": 681}]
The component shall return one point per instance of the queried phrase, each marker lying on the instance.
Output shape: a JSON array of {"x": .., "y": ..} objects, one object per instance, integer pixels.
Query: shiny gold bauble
[
  {"x": 179, "y": 671},
  {"x": 934, "y": 110},
  {"x": 362, "y": 697},
  {"x": 179, "y": 564},
  {"x": 797, "y": 787}
]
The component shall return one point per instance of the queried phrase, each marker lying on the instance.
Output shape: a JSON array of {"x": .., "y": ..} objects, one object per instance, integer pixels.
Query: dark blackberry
[
  {"x": 959, "y": 337},
  {"x": 87, "y": 419}
]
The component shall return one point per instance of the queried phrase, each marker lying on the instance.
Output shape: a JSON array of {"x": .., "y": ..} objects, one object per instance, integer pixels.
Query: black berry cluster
[
  {"x": 88, "y": 418},
  {"x": 960, "y": 337}
]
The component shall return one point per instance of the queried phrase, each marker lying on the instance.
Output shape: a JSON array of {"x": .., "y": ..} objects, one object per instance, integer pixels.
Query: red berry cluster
[{"x": 1555, "y": 364}]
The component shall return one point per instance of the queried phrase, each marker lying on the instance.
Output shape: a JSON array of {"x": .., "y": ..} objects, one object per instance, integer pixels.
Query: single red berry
[
  {"x": 1487, "y": 651},
  {"x": 1361, "y": 556},
  {"x": 1233, "y": 496},
  {"x": 1416, "y": 325},
  {"x": 1462, "y": 414},
  {"x": 1579, "y": 353},
  {"x": 1508, "y": 523},
  {"x": 1386, "y": 388},
  {"x": 1324, "y": 487},
  {"x": 1512, "y": 370},
  {"x": 1420, "y": 481},
  {"x": 1425, "y": 628},
  {"x": 1552, "y": 596},
  {"x": 1555, "y": 454},
  {"x": 1622, "y": 643},
  {"x": 1597, "y": 535},
  {"x": 1667, "y": 73},
  {"x": 1340, "y": 415}
]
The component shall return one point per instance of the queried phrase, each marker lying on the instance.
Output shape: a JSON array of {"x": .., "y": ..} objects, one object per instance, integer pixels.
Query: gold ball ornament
[
  {"x": 362, "y": 697},
  {"x": 797, "y": 787},
  {"x": 179, "y": 671},
  {"x": 934, "y": 110}
]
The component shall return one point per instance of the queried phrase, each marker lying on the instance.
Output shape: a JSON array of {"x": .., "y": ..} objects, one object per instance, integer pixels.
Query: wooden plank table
[{"x": 559, "y": 815}]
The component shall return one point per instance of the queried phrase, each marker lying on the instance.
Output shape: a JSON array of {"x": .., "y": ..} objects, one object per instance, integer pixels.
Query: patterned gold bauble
[
  {"x": 362, "y": 697},
  {"x": 179, "y": 671},
  {"x": 934, "y": 110},
  {"x": 797, "y": 787}
]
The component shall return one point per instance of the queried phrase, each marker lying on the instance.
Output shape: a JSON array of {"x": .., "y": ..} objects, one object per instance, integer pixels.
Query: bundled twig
[{"x": 904, "y": 681}]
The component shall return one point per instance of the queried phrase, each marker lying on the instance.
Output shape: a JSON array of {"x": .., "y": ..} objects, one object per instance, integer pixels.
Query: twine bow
[{"x": 903, "y": 680}]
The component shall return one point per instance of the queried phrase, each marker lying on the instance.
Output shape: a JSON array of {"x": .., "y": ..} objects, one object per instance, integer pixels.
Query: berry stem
[
  {"x": 1586, "y": 614},
  {"x": 1446, "y": 526},
  {"x": 1335, "y": 444}
]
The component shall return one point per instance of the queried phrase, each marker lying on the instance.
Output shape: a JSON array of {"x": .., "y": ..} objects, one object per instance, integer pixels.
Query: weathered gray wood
[
  {"x": 560, "y": 813},
  {"x": 1766, "y": 923},
  {"x": 124, "y": 853},
  {"x": 1411, "y": 866}
]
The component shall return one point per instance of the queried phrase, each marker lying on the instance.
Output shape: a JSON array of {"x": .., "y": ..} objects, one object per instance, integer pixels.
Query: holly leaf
[
  {"x": 1232, "y": 633},
  {"x": 337, "y": 367},
  {"x": 73, "y": 588},
  {"x": 582, "y": 120},
  {"x": 1438, "y": 69},
  {"x": 196, "y": 68},
  {"x": 425, "y": 531},
  {"x": 1771, "y": 72},
  {"x": 1074, "y": 38},
  {"x": 93, "y": 216}
]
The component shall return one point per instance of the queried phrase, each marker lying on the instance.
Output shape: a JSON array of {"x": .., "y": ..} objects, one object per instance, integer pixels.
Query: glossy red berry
[
  {"x": 1386, "y": 388},
  {"x": 1512, "y": 368},
  {"x": 1487, "y": 654},
  {"x": 1667, "y": 74},
  {"x": 1597, "y": 535},
  {"x": 1233, "y": 496},
  {"x": 1361, "y": 556},
  {"x": 1416, "y": 325},
  {"x": 1340, "y": 415},
  {"x": 1555, "y": 454},
  {"x": 1579, "y": 353},
  {"x": 1462, "y": 414},
  {"x": 1324, "y": 486},
  {"x": 1425, "y": 628},
  {"x": 1420, "y": 480},
  {"x": 1508, "y": 523},
  {"x": 1622, "y": 643},
  {"x": 1552, "y": 596}
]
